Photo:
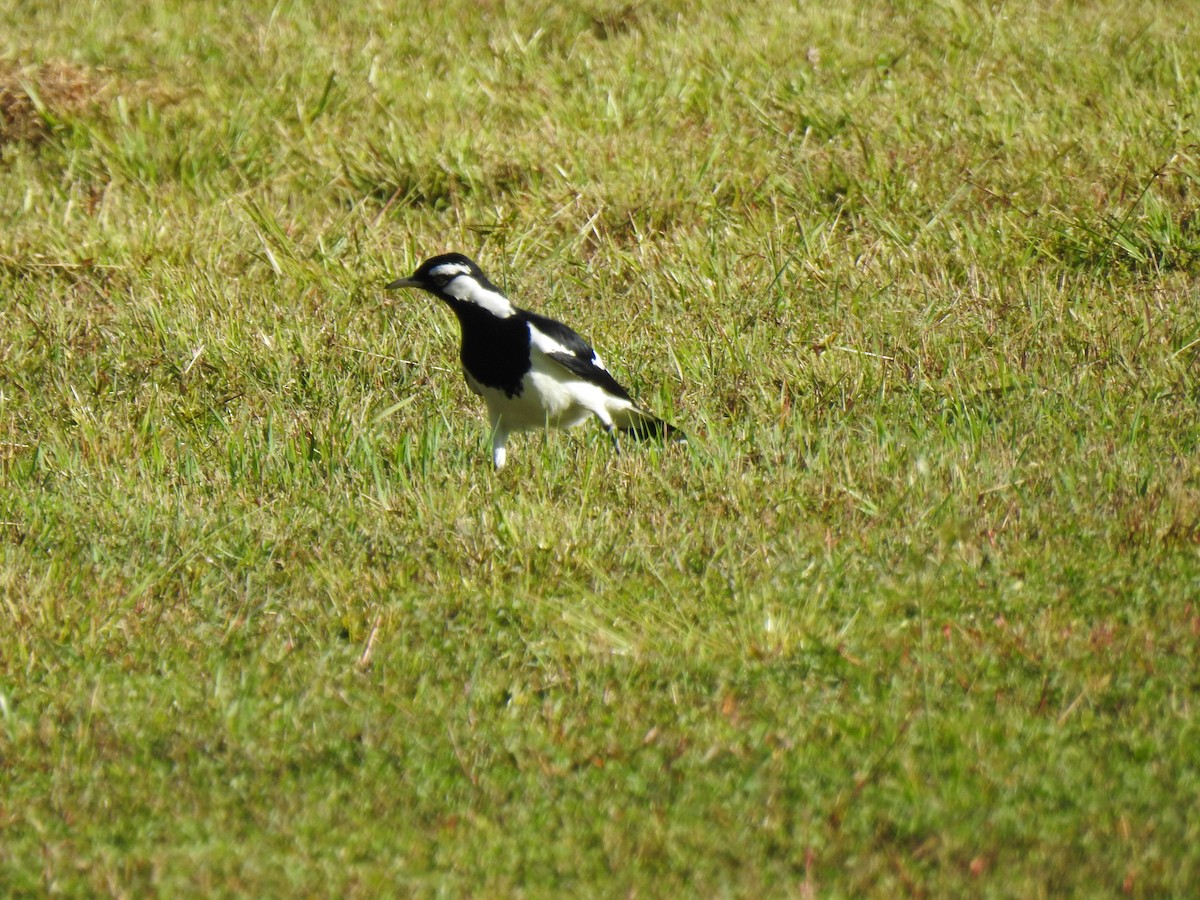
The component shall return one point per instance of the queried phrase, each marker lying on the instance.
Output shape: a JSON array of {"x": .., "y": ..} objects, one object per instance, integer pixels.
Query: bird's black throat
[{"x": 495, "y": 351}]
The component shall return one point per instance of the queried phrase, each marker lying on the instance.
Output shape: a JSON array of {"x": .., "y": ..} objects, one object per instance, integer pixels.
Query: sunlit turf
[{"x": 914, "y": 613}]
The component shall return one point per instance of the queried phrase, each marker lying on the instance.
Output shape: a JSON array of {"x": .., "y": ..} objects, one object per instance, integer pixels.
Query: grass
[{"x": 917, "y": 611}]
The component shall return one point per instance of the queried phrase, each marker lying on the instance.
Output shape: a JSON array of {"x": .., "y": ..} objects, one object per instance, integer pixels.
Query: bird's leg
[
  {"x": 612, "y": 433},
  {"x": 499, "y": 440}
]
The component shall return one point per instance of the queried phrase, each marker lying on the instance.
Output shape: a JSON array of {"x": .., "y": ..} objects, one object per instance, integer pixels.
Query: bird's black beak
[{"x": 403, "y": 283}]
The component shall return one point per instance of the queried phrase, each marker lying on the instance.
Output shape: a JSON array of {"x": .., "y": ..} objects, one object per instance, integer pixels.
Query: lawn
[{"x": 916, "y": 612}]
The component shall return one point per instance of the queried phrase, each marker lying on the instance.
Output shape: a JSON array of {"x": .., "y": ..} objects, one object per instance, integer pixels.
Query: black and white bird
[{"x": 532, "y": 371}]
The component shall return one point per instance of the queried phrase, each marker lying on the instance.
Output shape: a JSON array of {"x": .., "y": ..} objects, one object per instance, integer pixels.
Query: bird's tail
[{"x": 643, "y": 426}]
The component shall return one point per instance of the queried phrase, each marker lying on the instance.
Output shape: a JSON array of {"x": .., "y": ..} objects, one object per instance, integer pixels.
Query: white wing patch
[
  {"x": 542, "y": 341},
  {"x": 468, "y": 290}
]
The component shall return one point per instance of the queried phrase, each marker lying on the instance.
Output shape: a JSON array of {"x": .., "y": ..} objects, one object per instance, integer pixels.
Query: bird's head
[{"x": 455, "y": 279}]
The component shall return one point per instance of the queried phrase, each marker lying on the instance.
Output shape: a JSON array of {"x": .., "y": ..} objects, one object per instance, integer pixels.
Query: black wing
[{"x": 577, "y": 356}]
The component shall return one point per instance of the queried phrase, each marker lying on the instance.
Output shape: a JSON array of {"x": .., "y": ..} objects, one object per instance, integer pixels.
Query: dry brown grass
[{"x": 34, "y": 97}]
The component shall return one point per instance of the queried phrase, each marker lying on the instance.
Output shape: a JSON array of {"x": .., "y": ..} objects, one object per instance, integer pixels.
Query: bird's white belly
[
  {"x": 545, "y": 400},
  {"x": 563, "y": 403}
]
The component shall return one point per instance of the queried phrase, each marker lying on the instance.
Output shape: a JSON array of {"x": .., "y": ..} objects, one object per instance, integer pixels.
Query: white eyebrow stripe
[{"x": 450, "y": 269}]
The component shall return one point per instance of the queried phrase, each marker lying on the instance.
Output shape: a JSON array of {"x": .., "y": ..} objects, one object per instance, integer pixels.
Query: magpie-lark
[{"x": 532, "y": 371}]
